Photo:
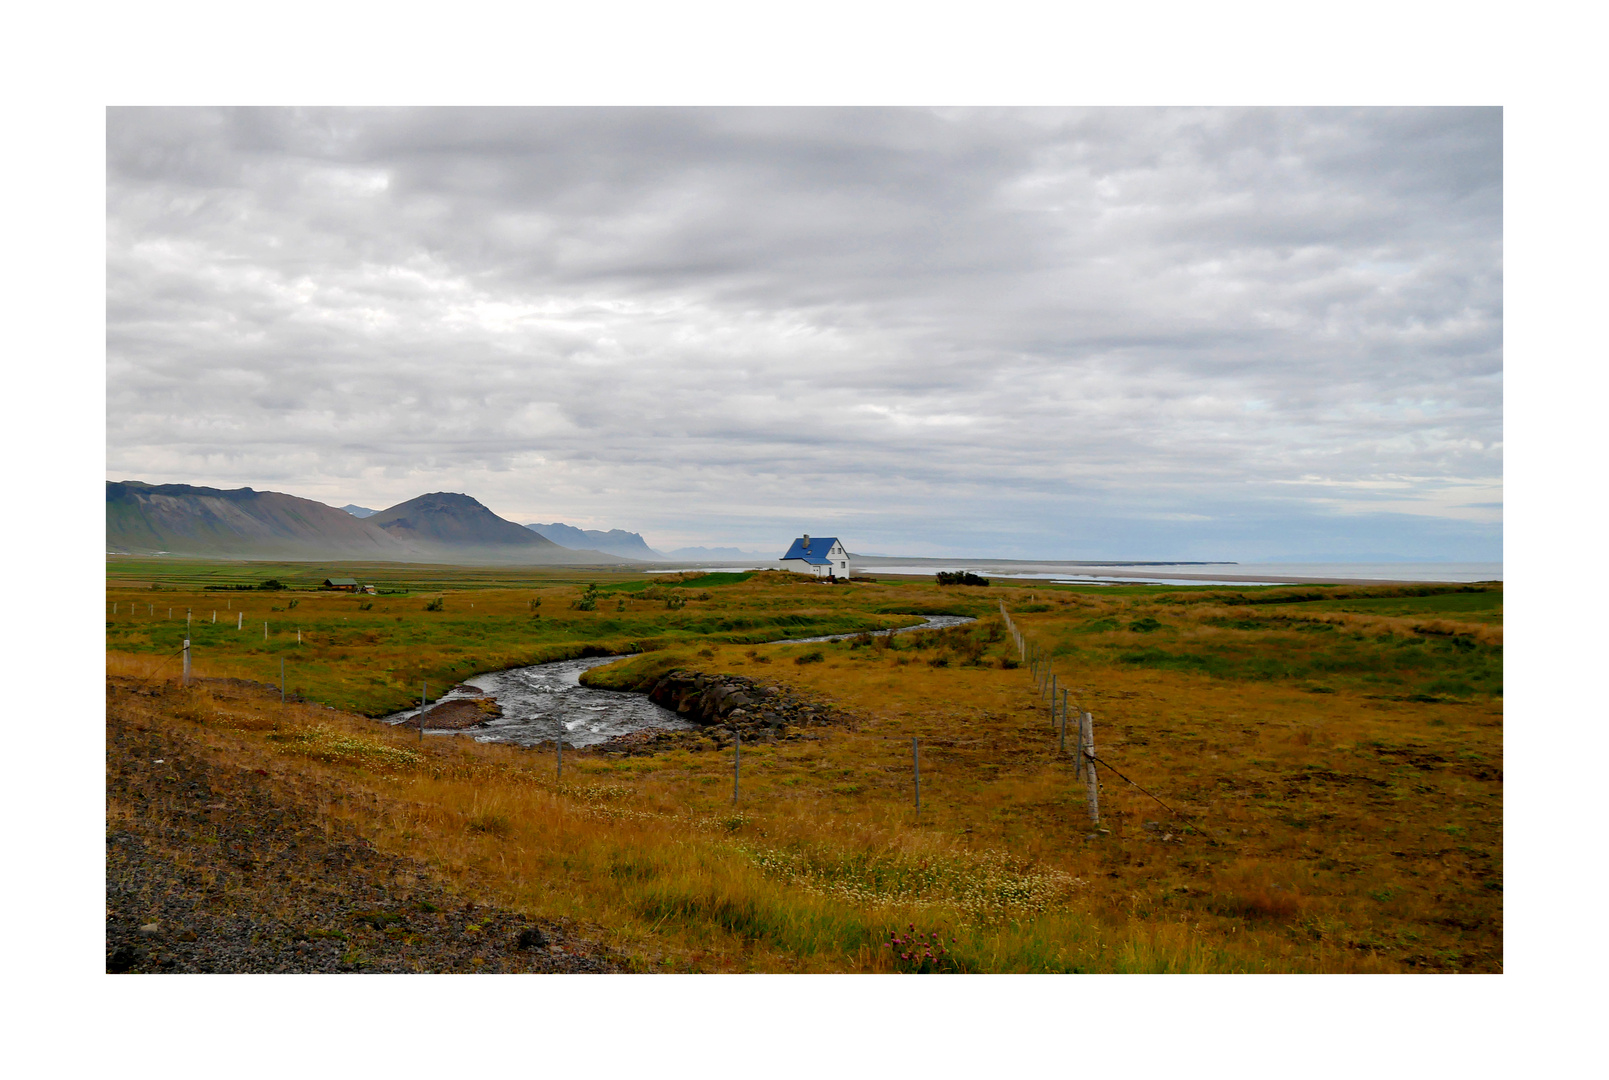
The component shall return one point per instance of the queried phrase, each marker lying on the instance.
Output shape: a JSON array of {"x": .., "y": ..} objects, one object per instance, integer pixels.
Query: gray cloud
[{"x": 1037, "y": 332}]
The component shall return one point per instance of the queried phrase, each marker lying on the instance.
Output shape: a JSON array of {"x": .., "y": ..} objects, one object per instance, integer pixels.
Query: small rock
[
  {"x": 532, "y": 938},
  {"x": 151, "y": 929}
]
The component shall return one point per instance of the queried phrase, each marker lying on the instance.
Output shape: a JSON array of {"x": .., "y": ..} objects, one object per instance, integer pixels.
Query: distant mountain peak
[
  {"x": 359, "y": 511},
  {"x": 451, "y": 517},
  {"x": 628, "y": 545}
]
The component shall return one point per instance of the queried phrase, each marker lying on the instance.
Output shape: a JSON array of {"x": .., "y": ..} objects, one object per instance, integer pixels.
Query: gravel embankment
[{"x": 207, "y": 872}]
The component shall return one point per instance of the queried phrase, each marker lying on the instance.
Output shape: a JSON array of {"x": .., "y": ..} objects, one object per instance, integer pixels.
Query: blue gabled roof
[{"x": 816, "y": 553}]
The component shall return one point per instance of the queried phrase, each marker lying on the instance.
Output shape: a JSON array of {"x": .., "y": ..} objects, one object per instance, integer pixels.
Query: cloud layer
[{"x": 1040, "y": 333}]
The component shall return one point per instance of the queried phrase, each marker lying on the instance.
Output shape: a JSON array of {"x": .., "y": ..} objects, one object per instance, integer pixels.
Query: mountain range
[
  {"x": 180, "y": 519},
  {"x": 628, "y": 545}
]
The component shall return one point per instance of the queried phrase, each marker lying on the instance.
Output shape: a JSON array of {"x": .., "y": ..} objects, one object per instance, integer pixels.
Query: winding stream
[{"x": 543, "y": 701}]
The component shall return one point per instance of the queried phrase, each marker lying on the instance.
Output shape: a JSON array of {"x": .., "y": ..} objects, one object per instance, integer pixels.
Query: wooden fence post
[
  {"x": 186, "y": 661},
  {"x": 1090, "y": 778},
  {"x": 240, "y": 621},
  {"x": 1078, "y": 746}
]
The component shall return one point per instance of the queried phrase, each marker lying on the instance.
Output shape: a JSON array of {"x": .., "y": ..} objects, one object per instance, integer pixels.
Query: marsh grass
[{"x": 1357, "y": 829}]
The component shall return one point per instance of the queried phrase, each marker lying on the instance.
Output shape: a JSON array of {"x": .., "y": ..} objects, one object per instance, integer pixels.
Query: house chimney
[{"x": 807, "y": 540}]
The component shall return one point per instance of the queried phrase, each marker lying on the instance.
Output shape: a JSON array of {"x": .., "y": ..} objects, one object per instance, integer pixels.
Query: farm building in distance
[
  {"x": 345, "y": 584},
  {"x": 822, "y": 557}
]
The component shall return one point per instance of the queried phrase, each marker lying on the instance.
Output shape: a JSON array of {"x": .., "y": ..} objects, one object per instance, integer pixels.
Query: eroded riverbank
[{"x": 543, "y": 703}]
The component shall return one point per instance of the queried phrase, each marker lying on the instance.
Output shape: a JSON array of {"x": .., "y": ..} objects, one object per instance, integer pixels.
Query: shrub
[
  {"x": 491, "y": 823},
  {"x": 960, "y": 577},
  {"x": 435, "y": 605},
  {"x": 1145, "y": 625},
  {"x": 814, "y": 656}
]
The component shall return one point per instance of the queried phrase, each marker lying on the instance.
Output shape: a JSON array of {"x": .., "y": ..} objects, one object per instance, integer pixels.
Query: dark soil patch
[{"x": 207, "y": 871}]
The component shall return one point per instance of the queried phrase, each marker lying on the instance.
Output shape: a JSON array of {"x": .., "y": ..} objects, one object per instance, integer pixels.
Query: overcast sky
[{"x": 1195, "y": 334}]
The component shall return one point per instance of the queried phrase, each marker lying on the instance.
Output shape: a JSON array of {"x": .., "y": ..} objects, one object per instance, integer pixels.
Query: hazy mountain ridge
[
  {"x": 188, "y": 520},
  {"x": 628, "y": 545},
  {"x": 182, "y": 519},
  {"x": 359, "y": 511}
]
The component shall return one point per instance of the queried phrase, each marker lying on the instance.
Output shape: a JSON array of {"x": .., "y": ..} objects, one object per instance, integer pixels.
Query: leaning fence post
[
  {"x": 1052, "y": 699},
  {"x": 1090, "y": 779}
]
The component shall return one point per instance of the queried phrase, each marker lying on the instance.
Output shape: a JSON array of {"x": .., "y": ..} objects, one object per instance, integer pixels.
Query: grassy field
[
  {"x": 371, "y": 654},
  {"x": 1330, "y": 760}
]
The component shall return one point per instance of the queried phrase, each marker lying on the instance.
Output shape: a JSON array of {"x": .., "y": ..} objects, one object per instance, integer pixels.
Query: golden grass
[{"x": 1332, "y": 832}]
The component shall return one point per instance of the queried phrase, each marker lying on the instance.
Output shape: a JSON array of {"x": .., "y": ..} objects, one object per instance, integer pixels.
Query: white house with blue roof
[{"x": 821, "y": 556}]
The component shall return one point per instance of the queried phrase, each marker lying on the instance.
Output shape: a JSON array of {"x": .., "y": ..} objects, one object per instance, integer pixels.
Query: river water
[{"x": 544, "y": 701}]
